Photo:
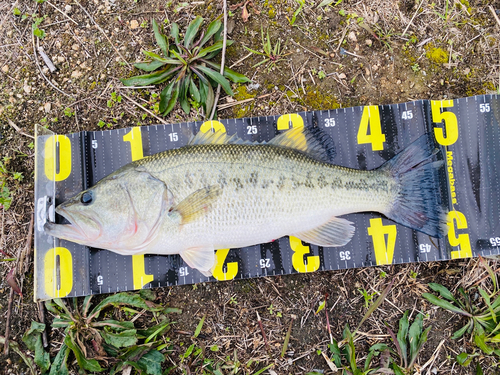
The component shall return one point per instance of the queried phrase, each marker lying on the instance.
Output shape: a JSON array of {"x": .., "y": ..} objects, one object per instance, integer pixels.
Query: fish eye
[{"x": 86, "y": 197}]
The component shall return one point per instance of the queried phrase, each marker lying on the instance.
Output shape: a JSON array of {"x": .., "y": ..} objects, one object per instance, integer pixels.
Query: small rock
[
  {"x": 47, "y": 107},
  {"x": 60, "y": 59},
  {"x": 367, "y": 72},
  {"x": 5, "y": 68},
  {"x": 368, "y": 42},
  {"x": 67, "y": 8},
  {"x": 352, "y": 36},
  {"x": 398, "y": 82},
  {"x": 374, "y": 68},
  {"x": 75, "y": 47},
  {"x": 27, "y": 89},
  {"x": 58, "y": 44},
  {"x": 466, "y": 71},
  {"x": 76, "y": 74},
  {"x": 342, "y": 76},
  {"x": 134, "y": 24}
]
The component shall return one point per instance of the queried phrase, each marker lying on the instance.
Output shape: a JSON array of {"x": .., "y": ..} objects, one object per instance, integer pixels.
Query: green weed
[
  {"x": 272, "y": 55},
  {"x": 187, "y": 67}
]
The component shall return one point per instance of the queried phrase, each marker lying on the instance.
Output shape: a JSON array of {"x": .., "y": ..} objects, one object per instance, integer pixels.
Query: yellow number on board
[
  {"x": 140, "y": 277},
  {"x": 298, "y": 262},
  {"x": 58, "y": 287},
  {"x": 370, "y": 123},
  {"x": 384, "y": 249},
  {"x": 284, "y": 121},
  {"x": 64, "y": 157},
  {"x": 232, "y": 267},
  {"x": 457, "y": 220},
  {"x": 215, "y": 126},
  {"x": 450, "y": 122},
  {"x": 135, "y": 138}
]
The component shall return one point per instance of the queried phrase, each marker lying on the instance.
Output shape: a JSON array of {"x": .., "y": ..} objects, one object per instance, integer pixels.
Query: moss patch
[
  {"x": 437, "y": 55},
  {"x": 243, "y": 110},
  {"x": 316, "y": 99}
]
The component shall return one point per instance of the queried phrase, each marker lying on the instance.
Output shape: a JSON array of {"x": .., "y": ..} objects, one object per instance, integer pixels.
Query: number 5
[{"x": 450, "y": 122}]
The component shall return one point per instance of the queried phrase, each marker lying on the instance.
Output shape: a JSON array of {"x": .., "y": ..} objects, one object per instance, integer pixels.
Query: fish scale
[{"x": 220, "y": 192}]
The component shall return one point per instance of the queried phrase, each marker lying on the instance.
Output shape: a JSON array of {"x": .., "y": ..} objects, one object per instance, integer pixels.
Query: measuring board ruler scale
[{"x": 365, "y": 137}]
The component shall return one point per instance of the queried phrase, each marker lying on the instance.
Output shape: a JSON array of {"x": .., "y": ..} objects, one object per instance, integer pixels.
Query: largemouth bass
[{"x": 220, "y": 192}]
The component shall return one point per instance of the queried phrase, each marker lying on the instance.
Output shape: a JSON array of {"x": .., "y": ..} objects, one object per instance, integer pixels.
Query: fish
[{"x": 221, "y": 192}]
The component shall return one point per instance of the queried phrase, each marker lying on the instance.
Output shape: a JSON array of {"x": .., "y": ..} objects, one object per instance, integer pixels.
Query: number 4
[{"x": 370, "y": 122}]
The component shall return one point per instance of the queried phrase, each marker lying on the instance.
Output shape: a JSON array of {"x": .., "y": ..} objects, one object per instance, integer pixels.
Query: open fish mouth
[{"x": 71, "y": 232}]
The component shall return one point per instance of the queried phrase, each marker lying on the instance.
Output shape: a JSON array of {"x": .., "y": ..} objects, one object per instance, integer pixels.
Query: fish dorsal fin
[
  {"x": 312, "y": 141},
  {"x": 216, "y": 138}
]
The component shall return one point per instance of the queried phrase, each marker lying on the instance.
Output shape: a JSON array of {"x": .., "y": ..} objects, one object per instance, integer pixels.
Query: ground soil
[{"x": 371, "y": 52}]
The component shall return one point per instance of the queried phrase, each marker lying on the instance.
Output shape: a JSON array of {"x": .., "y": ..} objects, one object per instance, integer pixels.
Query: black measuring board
[{"x": 467, "y": 129}]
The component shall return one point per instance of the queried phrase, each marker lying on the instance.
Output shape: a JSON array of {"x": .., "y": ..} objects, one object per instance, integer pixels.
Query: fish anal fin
[
  {"x": 200, "y": 258},
  {"x": 334, "y": 233},
  {"x": 312, "y": 141},
  {"x": 195, "y": 205}
]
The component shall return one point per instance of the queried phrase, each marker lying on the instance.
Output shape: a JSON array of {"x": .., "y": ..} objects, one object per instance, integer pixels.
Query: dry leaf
[
  {"x": 11, "y": 280},
  {"x": 244, "y": 13}
]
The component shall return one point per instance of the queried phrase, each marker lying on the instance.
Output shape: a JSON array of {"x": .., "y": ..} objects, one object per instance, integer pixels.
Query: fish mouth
[{"x": 72, "y": 231}]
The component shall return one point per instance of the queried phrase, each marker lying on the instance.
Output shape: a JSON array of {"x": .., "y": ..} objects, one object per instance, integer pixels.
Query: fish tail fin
[{"x": 418, "y": 203}]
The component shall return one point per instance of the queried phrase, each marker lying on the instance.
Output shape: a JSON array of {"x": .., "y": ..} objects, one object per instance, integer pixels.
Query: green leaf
[
  {"x": 459, "y": 333},
  {"x": 130, "y": 299},
  {"x": 195, "y": 93},
  {"x": 188, "y": 352},
  {"x": 465, "y": 359},
  {"x": 151, "y": 334},
  {"x": 217, "y": 77},
  {"x": 33, "y": 340},
  {"x": 479, "y": 339},
  {"x": 165, "y": 95},
  {"x": 174, "y": 32},
  {"x": 397, "y": 370},
  {"x": 148, "y": 294},
  {"x": 414, "y": 333},
  {"x": 212, "y": 28},
  {"x": 178, "y": 56},
  {"x": 321, "y": 307},
  {"x": 443, "y": 291},
  {"x": 149, "y": 66},
  {"x": 402, "y": 335},
  {"x": 479, "y": 370},
  {"x": 337, "y": 355},
  {"x": 192, "y": 30},
  {"x": 209, "y": 102},
  {"x": 60, "y": 364},
  {"x": 160, "y": 38},
  {"x": 183, "y": 94},
  {"x": 84, "y": 363},
  {"x": 152, "y": 78},
  {"x": 120, "y": 340},
  {"x": 444, "y": 304},
  {"x": 173, "y": 99},
  {"x": 165, "y": 60},
  {"x": 152, "y": 360},
  {"x": 487, "y": 301},
  {"x": 205, "y": 51},
  {"x": 376, "y": 304},
  {"x": 114, "y": 324},
  {"x": 228, "y": 73},
  {"x": 200, "y": 325}
]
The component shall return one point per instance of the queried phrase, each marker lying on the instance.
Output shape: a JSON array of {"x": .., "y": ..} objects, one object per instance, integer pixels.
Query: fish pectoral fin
[
  {"x": 195, "y": 205},
  {"x": 334, "y": 233},
  {"x": 200, "y": 258}
]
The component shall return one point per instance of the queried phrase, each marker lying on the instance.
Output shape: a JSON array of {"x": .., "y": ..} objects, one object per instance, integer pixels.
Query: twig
[
  {"x": 494, "y": 14},
  {"x": 103, "y": 33},
  {"x": 431, "y": 360},
  {"x": 18, "y": 129},
  {"x": 263, "y": 334},
  {"x": 64, "y": 14},
  {"x": 7, "y": 323},
  {"x": 46, "y": 59},
  {"x": 223, "y": 59},
  {"x": 414, "y": 15},
  {"x": 229, "y": 105},
  {"x": 40, "y": 69},
  {"x": 41, "y": 313},
  {"x": 144, "y": 108},
  {"x": 287, "y": 337},
  {"x": 241, "y": 60}
]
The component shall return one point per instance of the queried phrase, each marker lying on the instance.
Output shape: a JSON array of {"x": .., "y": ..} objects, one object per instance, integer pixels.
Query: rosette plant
[{"x": 186, "y": 66}]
